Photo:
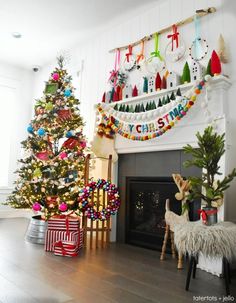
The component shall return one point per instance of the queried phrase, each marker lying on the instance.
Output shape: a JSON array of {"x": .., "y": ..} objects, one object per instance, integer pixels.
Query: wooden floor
[{"x": 120, "y": 273}]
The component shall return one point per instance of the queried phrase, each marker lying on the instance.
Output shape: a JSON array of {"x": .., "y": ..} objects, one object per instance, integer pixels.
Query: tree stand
[{"x": 170, "y": 234}]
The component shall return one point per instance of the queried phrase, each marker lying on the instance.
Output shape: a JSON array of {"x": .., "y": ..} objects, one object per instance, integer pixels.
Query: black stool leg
[
  {"x": 189, "y": 273},
  {"x": 226, "y": 275},
  {"x": 195, "y": 261}
]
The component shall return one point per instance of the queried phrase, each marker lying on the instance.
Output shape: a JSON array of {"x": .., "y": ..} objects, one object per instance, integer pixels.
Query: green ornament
[
  {"x": 49, "y": 106},
  {"x": 37, "y": 173}
]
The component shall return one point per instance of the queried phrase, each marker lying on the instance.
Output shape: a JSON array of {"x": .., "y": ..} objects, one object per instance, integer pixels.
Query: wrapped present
[
  {"x": 64, "y": 222},
  {"x": 53, "y": 236},
  {"x": 66, "y": 248}
]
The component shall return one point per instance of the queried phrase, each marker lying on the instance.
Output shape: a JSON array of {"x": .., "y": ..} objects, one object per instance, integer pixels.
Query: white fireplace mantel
[{"x": 186, "y": 129}]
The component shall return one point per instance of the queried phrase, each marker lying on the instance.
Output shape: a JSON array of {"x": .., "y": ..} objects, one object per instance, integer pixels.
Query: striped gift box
[
  {"x": 52, "y": 236},
  {"x": 63, "y": 222},
  {"x": 66, "y": 248}
]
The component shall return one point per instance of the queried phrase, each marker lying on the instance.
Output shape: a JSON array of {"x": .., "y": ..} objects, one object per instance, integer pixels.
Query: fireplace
[
  {"x": 145, "y": 182},
  {"x": 146, "y": 196}
]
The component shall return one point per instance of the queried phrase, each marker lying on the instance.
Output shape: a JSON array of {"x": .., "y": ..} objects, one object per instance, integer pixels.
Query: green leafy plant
[{"x": 211, "y": 147}]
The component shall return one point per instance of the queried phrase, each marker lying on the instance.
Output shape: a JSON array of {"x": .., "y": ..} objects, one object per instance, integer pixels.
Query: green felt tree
[
  {"x": 159, "y": 103},
  {"x": 142, "y": 109},
  {"x": 116, "y": 107},
  {"x": 172, "y": 96},
  {"x": 178, "y": 93},
  {"x": 185, "y": 78},
  {"x": 153, "y": 105},
  {"x": 147, "y": 107},
  {"x": 131, "y": 109},
  {"x": 208, "y": 69},
  {"x": 127, "y": 108},
  {"x": 163, "y": 101},
  {"x": 211, "y": 148}
]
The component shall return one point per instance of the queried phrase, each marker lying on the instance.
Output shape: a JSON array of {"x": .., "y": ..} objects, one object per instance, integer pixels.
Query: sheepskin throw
[{"x": 214, "y": 241}]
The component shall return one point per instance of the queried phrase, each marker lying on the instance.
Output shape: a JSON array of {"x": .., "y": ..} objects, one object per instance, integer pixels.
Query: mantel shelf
[{"x": 217, "y": 81}]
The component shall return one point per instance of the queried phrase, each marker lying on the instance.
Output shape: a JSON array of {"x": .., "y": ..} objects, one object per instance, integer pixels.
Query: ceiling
[{"x": 48, "y": 26}]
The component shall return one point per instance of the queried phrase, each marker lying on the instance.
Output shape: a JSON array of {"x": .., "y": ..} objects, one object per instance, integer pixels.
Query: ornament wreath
[{"x": 86, "y": 205}]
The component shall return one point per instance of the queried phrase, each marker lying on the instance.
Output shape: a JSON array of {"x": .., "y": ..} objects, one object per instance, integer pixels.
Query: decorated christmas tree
[{"x": 51, "y": 173}]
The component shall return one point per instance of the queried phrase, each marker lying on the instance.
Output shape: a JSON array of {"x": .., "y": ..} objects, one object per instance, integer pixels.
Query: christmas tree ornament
[
  {"x": 63, "y": 207},
  {"x": 129, "y": 62},
  {"x": 215, "y": 64},
  {"x": 51, "y": 88},
  {"x": 222, "y": 50},
  {"x": 67, "y": 93},
  {"x": 36, "y": 206},
  {"x": 49, "y": 106},
  {"x": 208, "y": 69},
  {"x": 37, "y": 173},
  {"x": 41, "y": 132},
  {"x": 55, "y": 76},
  {"x": 155, "y": 62},
  {"x": 176, "y": 48},
  {"x": 30, "y": 129},
  {"x": 69, "y": 134},
  {"x": 199, "y": 46}
]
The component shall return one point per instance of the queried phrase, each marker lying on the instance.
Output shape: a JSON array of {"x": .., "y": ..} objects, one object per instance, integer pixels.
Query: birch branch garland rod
[{"x": 199, "y": 13}]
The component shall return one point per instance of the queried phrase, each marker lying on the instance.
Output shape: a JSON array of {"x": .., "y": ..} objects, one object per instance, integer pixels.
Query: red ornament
[
  {"x": 163, "y": 82},
  {"x": 215, "y": 64},
  {"x": 135, "y": 91},
  {"x": 64, "y": 114},
  {"x": 158, "y": 81},
  {"x": 104, "y": 97}
]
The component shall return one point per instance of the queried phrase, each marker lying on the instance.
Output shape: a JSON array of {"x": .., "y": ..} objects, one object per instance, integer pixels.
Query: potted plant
[{"x": 211, "y": 147}]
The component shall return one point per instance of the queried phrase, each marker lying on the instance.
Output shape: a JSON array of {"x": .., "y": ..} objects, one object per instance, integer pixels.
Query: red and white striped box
[
  {"x": 66, "y": 249},
  {"x": 52, "y": 236},
  {"x": 63, "y": 222}
]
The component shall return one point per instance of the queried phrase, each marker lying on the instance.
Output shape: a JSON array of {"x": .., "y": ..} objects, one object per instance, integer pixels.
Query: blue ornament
[
  {"x": 41, "y": 132},
  {"x": 67, "y": 93},
  {"x": 30, "y": 129},
  {"x": 69, "y": 134}
]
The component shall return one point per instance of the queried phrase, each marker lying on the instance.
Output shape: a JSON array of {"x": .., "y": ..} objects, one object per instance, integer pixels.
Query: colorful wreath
[{"x": 87, "y": 207}]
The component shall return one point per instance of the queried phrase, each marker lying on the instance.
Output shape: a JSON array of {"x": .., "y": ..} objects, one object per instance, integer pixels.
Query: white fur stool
[{"x": 216, "y": 241}]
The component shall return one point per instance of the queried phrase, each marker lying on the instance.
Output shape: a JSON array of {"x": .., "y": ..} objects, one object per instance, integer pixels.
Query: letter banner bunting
[{"x": 152, "y": 124}]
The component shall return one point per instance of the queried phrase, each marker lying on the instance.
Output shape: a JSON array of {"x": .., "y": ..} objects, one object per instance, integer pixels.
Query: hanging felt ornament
[
  {"x": 199, "y": 47},
  {"x": 156, "y": 62},
  {"x": 140, "y": 59},
  {"x": 114, "y": 73},
  {"x": 176, "y": 48},
  {"x": 129, "y": 62}
]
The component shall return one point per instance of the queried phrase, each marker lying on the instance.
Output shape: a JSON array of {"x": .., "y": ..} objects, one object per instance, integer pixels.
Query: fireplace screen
[{"x": 145, "y": 213}]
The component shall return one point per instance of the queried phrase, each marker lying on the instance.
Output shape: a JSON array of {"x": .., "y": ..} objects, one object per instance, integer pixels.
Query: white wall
[
  {"x": 98, "y": 61},
  {"x": 21, "y": 81}
]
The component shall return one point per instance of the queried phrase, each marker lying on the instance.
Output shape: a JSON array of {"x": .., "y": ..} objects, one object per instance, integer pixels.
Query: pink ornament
[
  {"x": 55, "y": 76},
  {"x": 83, "y": 144},
  {"x": 63, "y": 155},
  {"x": 36, "y": 206},
  {"x": 63, "y": 206}
]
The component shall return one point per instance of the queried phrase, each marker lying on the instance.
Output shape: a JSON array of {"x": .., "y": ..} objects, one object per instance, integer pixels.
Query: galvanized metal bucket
[{"x": 36, "y": 230}]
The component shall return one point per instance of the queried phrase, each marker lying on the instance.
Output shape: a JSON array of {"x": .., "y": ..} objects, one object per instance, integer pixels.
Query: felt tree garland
[{"x": 165, "y": 122}]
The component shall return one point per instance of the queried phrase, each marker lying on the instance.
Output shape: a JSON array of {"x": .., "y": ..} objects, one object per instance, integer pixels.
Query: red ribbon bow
[
  {"x": 129, "y": 53},
  {"x": 205, "y": 213},
  {"x": 174, "y": 37}
]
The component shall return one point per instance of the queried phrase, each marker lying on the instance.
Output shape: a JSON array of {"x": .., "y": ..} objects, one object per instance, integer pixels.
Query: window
[{"x": 7, "y": 99}]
